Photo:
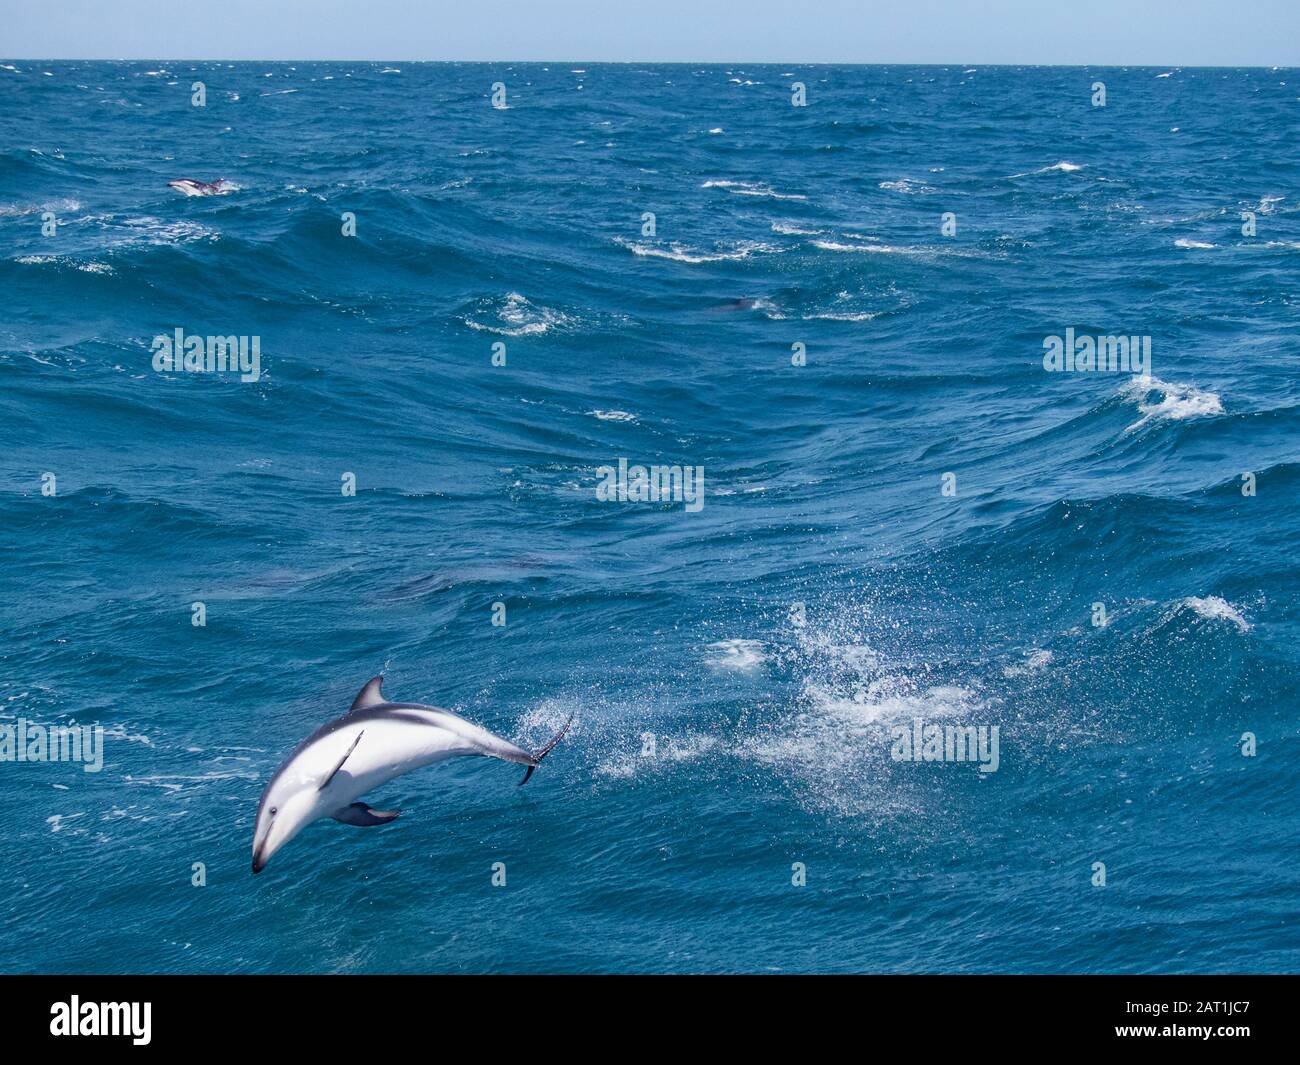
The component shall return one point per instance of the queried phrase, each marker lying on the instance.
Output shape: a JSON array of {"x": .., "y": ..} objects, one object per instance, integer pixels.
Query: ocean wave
[{"x": 824, "y": 487}]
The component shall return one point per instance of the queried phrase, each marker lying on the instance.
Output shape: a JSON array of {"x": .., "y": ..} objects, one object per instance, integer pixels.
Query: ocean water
[{"x": 739, "y": 672}]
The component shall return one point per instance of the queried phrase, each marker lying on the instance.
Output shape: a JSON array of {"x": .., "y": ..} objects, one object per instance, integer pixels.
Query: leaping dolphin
[
  {"x": 371, "y": 744},
  {"x": 190, "y": 187}
]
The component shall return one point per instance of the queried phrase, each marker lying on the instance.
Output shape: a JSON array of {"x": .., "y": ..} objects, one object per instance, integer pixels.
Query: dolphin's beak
[{"x": 259, "y": 863}]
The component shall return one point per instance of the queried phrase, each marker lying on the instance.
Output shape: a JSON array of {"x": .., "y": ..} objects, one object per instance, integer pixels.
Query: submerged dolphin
[
  {"x": 745, "y": 303},
  {"x": 203, "y": 188},
  {"x": 371, "y": 744}
]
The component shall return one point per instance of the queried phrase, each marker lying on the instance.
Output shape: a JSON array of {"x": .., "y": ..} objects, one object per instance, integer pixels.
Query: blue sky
[{"x": 1154, "y": 32}]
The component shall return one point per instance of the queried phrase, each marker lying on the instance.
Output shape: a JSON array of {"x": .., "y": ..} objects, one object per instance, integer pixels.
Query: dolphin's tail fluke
[{"x": 537, "y": 758}]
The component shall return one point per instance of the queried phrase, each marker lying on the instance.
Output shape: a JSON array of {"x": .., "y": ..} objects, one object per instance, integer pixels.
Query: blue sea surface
[{"x": 917, "y": 525}]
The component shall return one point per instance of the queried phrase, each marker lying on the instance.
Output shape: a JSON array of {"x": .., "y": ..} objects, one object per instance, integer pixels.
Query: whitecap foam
[
  {"x": 1064, "y": 167},
  {"x": 835, "y": 749},
  {"x": 1184, "y": 242},
  {"x": 1214, "y": 608},
  {"x": 681, "y": 254},
  {"x": 1173, "y": 402},
  {"x": 540, "y": 722},
  {"x": 518, "y": 317},
  {"x": 743, "y": 656},
  {"x": 833, "y": 743},
  {"x": 827, "y": 315},
  {"x": 115, "y": 234},
  {"x": 55, "y": 821},
  {"x": 791, "y": 230},
  {"x": 612, "y": 415},
  {"x": 892, "y": 700},
  {"x": 841, "y": 316},
  {"x": 120, "y": 732},
  {"x": 19, "y": 210},
  {"x": 752, "y": 188},
  {"x": 668, "y": 752},
  {"x": 906, "y": 186},
  {"x": 875, "y": 249},
  {"x": 1034, "y": 662}
]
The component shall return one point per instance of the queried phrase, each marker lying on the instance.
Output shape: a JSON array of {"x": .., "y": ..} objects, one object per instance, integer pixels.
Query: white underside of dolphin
[{"x": 371, "y": 744}]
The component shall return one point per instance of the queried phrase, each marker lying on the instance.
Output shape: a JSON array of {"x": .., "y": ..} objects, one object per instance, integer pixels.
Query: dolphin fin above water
[{"x": 371, "y": 694}]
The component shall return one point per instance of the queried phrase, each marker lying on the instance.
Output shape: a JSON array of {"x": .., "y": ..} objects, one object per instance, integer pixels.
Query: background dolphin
[
  {"x": 190, "y": 187},
  {"x": 371, "y": 744}
]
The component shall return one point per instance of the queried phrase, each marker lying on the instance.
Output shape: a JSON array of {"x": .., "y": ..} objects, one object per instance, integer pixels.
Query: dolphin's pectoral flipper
[
  {"x": 537, "y": 758},
  {"x": 325, "y": 783},
  {"x": 358, "y": 813}
]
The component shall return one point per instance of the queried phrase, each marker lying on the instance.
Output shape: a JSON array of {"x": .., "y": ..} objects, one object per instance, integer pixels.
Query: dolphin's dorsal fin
[
  {"x": 371, "y": 695},
  {"x": 333, "y": 772}
]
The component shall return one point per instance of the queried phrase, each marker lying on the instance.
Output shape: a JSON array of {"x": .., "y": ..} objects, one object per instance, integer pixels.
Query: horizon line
[{"x": 662, "y": 62}]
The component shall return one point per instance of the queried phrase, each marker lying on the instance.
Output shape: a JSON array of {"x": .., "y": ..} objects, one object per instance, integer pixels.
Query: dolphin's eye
[{"x": 274, "y": 811}]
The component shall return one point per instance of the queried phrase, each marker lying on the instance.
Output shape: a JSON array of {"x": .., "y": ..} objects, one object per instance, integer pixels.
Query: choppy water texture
[{"x": 775, "y": 225}]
